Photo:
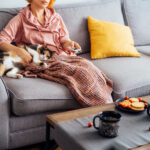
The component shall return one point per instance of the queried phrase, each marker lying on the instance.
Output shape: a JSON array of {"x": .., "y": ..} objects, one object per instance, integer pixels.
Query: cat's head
[{"x": 44, "y": 52}]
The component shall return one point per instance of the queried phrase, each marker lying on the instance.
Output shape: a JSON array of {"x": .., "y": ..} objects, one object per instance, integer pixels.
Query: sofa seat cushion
[
  {"x": 31, "y": 95},
  {"x": 137, "y": 15},
  {"x": 144, "y": 49},
  {"x": 130, "y": 75}
]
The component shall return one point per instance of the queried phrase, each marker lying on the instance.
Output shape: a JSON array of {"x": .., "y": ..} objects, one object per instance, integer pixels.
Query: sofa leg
[
  {"x": 50, "y": 144},
  {"x": 53, "y": 145}
]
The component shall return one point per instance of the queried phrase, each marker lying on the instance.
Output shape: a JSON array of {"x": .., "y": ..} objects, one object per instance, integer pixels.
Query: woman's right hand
[
  {"x": 19, "y": 51},
  {"x": 26, "y": 57}
]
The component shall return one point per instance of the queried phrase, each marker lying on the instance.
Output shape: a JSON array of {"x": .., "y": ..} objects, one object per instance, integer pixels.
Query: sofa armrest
[{"x": 4, "y": 116}]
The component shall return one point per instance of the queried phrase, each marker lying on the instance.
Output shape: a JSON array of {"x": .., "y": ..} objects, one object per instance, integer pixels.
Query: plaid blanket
[{"x": 87, "y": 83}]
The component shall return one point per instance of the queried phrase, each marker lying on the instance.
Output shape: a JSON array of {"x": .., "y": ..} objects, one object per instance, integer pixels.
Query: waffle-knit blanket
[{"x": 87, "y": 83}]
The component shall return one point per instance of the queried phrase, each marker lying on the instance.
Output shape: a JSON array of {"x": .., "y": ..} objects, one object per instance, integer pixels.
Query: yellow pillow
[{"x": 110, "y": 39}]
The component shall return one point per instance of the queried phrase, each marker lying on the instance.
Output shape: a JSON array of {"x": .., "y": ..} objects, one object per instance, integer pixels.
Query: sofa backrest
[
  {"x": 6, "y": 14},
  {"x": 137, "y": 14},
  {"x": 75, "y": 17}
]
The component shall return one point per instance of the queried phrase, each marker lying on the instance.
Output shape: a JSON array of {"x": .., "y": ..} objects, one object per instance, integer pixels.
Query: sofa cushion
[
  {"x": 110, "y": 39},
  {"x": 75, "y": 18},
  {"x": 138, "y": 18},
  {"x": 30, "y": 95},
  {"x": 130, "y": 75},
  {"x": 22, "y": 123}
]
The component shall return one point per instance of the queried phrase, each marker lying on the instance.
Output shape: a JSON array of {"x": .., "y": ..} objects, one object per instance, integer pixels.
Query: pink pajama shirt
[{"x": 26, "y": 29}]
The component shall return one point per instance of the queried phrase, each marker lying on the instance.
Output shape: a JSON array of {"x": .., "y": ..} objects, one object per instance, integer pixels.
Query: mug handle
[
  {"x": 148, "y": 108},
  {"x": 94, "y": 125}
]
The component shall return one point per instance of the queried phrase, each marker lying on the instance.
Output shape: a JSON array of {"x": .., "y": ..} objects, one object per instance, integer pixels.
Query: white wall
[{"x": 22, "y": 3}]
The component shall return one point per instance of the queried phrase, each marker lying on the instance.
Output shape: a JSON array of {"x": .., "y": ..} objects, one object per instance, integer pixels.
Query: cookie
[{"x": 137, "y": 106}]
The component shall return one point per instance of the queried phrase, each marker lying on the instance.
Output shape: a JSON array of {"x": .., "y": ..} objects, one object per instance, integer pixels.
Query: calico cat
[{"x": 10, "y": 63}]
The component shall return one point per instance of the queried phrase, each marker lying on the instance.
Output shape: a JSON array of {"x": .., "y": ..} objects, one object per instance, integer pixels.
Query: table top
[{"x": 53, "y": 119}]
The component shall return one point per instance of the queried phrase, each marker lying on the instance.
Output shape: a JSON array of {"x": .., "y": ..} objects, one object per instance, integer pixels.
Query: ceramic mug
[
  {"x": 108, "y": 123},
  {"x": 148, "y": 110}
]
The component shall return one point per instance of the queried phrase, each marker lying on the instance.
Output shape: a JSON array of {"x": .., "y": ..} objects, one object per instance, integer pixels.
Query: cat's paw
[
  {"x": 45, "y": 65},
  {"x": 19, "y": 76}
]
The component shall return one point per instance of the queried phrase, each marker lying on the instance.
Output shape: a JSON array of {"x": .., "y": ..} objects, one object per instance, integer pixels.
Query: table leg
[
  {"x": 50, "y": 144},
  {"x": 47, "y": 135}
]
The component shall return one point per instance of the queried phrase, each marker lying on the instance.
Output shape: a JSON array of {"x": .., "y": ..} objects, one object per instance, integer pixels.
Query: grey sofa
[{"x": 25, "y": 102}]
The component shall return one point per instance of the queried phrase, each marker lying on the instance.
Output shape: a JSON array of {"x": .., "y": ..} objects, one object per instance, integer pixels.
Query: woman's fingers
[
  {"x": 69, "y": 47},
  {"x": 76, "y": 45},
  {"x": 72, "y": 44},
  {"x": 26, "y": 57}
]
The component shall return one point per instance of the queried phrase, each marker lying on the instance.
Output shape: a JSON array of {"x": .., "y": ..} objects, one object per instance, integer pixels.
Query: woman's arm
[
  {"x": 63, "y": 32},
  {"x": 67, "y": 44},
  {"x": 19, "y": 51},
  {"x": 8, "y": 34}
]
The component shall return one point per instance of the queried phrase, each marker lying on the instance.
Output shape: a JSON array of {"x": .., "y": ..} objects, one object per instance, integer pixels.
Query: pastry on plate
[{"x": 137, "y": 106}]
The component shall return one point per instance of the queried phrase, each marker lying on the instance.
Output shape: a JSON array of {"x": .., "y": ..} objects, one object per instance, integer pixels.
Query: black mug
[
  {"x": 148, "y": 110},
  {"x": 108, "y": 123}
]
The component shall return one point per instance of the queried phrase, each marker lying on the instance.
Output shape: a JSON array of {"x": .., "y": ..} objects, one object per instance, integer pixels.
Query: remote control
[{"x": 76, "y": 50}]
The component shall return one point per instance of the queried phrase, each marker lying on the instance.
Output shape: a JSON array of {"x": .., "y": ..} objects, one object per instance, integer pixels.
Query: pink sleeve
[
  {"x": 63, "y": 32},
  {"x": 9, "y": 32}
]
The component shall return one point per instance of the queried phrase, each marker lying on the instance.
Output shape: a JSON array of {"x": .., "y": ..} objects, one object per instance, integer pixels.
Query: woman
[{"x": 38, "y": 23}]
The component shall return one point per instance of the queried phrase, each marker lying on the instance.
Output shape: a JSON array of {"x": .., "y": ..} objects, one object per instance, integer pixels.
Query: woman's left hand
[{"x": 68, "y": 46}]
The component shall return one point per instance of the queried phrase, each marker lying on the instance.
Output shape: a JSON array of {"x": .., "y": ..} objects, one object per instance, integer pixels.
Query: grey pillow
[{"x": 138, "y": 18}]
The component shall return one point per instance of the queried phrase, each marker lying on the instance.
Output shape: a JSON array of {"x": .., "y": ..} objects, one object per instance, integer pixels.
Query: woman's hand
[
  {"x": 26, "y": 57},
  {"x": 69, "y": 45},
  {"x": 19, "y": 51}
]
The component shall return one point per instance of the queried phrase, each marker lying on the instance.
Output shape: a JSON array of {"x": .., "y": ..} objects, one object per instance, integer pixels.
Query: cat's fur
[{"x": 10, "y": 63}]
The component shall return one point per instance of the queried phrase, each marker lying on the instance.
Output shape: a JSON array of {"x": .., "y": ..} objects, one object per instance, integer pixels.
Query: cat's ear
[
  {"x": 45, "y": 44},
  {"x": 39, "y": 46}
]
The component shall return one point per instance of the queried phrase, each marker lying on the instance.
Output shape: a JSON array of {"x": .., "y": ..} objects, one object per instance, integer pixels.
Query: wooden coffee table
[{"x": 54, "y": 119}]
